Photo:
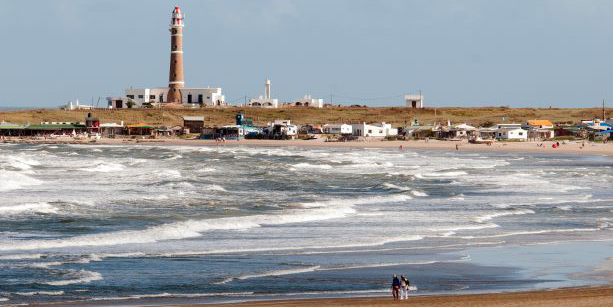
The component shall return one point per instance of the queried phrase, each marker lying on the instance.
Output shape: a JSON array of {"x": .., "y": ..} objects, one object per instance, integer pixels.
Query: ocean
[{"x": 94, "y": 224}]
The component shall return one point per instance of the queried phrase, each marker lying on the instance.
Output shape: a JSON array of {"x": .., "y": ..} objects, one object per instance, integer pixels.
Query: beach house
[
  {"x": 373, "y": 130},
  {"x": 281, "y": 129},
  {"x": 518, "y": 134},
  {"x": 337, "y": 129},
  {"x": 539, "y": 129},
  {"x": 193, "y": 124}
]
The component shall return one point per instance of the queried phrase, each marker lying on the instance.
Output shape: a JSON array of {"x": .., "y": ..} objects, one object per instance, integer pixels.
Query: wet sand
[
  {"x": 573, "y": 147},
  {"x": 571, "y": 297}
]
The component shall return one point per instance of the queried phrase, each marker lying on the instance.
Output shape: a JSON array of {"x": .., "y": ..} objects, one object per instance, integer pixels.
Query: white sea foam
[
  {"x": 419, "y": 193},
  {"x": 28, "y": 208},
  {"x": 40, "y": 293},
  {"x": 312, "y": 166},
  {"x": 79, "y": 277},
  {"x": 206, "y": 170},
  {"x": 272, "y": 273},
  {"x": 10, "y": 180},
  {"x": 20, "y": 256},
  {"x": 535, "y": 232},
  {"x": 486, "y": 217},
  {"x": 214, "y": 187},
  {"x": 564, "y": 208},
  {"x": 393, "y": 186},
  {"x": 20, "y": 161},
  {"x": 43, "y": 265},
  {"x": 315, "y": 211},
  {"x": 3, "y": 299},
  {"x": 105, "y": 167},
  {"x": 445, "y": 174},
  {"x": 177, "y": 295},
  {"x": 175, "y": 157}
]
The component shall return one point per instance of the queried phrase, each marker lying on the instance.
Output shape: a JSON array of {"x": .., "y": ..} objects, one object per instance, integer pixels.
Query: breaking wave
[
  {"x": 28, "y": 208},
  {"x": 78, "y": 277},
  {"x": 314, "y": 211},
  {"x": 10, "y": 180}
]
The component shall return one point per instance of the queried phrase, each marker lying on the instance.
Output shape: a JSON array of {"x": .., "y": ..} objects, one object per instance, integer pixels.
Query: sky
[{"x": 533, "y": 53}]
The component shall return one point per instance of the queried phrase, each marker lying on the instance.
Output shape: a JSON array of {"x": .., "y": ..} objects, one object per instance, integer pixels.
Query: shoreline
[
  {"x": 566, "y": 147},
  {"x": 593, "y": 296}
]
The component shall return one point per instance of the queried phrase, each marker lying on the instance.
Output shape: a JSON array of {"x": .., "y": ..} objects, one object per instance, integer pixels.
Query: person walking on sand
[
  {"x": 456, "y": 147},
  {"x": 396, "y": 287},
  {"x": 404, "y": 288}
]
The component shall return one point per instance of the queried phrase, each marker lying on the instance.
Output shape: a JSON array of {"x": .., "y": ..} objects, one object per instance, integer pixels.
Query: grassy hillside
[{"x": 396, "y": 115}]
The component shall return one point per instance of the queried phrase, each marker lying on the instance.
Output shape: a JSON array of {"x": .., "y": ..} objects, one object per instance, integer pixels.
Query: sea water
[{"x": 92, "y": 224}]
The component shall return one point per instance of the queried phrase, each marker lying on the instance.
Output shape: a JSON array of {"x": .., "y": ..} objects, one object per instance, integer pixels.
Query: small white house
[
  {"x": 308, "y": 101},
  {"x": 337, "y": 129},
  {"x": 282, "y": 127},
  {"x": 415, "y": 101},
  {"x": 373, "y": 130},
  {"x": 512, "y": 134}
]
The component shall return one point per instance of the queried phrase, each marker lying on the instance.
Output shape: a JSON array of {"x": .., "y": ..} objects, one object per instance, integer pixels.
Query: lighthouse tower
[{"x": 176, "y": 81}]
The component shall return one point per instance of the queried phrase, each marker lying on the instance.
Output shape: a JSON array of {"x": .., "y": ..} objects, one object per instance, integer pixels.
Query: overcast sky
[{"x": 472, "y": 53}]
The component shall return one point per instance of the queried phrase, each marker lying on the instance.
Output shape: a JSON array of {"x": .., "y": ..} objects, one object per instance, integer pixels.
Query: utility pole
[{"x": 603, "y": 112}]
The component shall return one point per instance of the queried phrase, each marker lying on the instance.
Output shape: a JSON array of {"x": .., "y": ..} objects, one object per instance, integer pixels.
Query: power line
[{"x": 359, "y": 98}]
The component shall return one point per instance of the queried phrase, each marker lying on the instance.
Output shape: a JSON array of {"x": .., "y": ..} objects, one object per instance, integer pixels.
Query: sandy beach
[
  {"x": 566, "y": 147},
  {"x": 572, "y": 297}
]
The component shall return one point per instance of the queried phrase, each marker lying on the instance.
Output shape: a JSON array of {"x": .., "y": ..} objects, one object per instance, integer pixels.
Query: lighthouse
[{"x": 176, "y": 81}]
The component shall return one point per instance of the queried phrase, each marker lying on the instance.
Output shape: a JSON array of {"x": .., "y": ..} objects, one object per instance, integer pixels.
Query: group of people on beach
[{"x": 400, "y": 287}]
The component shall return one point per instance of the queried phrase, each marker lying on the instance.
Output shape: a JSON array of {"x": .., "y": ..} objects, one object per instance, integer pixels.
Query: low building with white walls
[
  {"x": 415, "y": 101},
  {"x": 337, "y": 129},
  {"x": 373, "y": 130},
  {"x": 281, "y": 127},
  {"x": 264, "y": 101},
  {"x": 512, "y": 134},
  {"x": 191, "y": 97},
  {"x": 508, "y": 126},
  {"x": 76, "y": 106},
  {"x": 308, "y": 101}
]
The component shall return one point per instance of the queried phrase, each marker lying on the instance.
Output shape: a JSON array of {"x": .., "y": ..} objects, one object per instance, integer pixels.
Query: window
[
  {"x": 141, "y": 96},
  {"x": 369, "y": 131},
  {"x": 151, "y": 96},
  {"x": 521, "y": 133},
  {"x": 130, "y": 96},
  {"x": 174, "y": 31},
  {"x": 174, "y": 47},
  {"x": 175, "y": 61}
]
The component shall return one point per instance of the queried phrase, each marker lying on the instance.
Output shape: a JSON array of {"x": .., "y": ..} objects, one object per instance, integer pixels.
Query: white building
[
  {"x": 373, "y": 130},
  {"x": 461, "y": 131},
  {"x": 281, "y": 127},
  {"x": 337, "y": 129},
  {"x": 308, "y": 101},
  {"x": 512, "y": 134},
  {"x": 414, "y": 100},
  {"x": 191, "y": 97},
  {"x": 266, "y": 101},
  {"x": 508, "y": 126},
  {"x": 76, "y": 106}
]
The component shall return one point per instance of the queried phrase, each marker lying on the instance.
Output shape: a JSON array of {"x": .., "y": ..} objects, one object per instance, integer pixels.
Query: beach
[
  {"x": 566, "y": 147},
  {"x": 571, "y": 297}
]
